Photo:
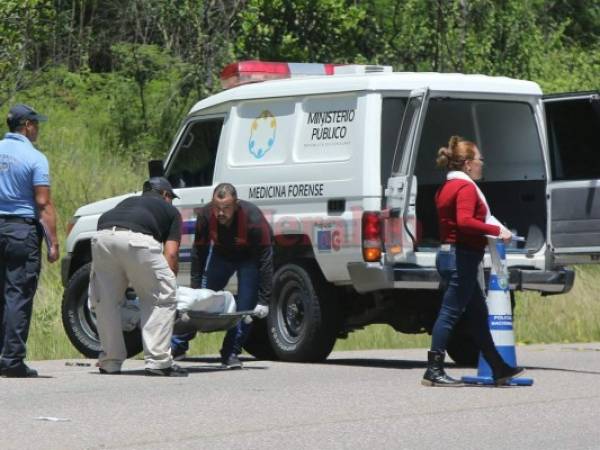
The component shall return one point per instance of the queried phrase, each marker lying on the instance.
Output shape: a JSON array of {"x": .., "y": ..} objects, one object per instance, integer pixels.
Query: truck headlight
[{"x": 71, "y": 223}]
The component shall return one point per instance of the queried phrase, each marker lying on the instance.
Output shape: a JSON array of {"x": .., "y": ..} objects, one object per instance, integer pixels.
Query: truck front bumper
[
  {"x": 65, "y": 265},
  {"x": 369, "y": 277}
]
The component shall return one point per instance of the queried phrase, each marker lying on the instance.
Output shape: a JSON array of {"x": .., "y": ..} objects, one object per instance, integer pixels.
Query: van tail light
[{"x": 371, "y": 236}]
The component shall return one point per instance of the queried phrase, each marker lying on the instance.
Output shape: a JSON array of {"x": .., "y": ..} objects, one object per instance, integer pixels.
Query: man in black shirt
[
  {"x": 232, "y": 236},
  {"x": 128, "y": 248}
]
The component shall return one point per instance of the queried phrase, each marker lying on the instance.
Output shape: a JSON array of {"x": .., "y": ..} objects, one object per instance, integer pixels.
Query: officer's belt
[
  {"x": 115, "y": 229},
  {"x": 17, "y": 219}
]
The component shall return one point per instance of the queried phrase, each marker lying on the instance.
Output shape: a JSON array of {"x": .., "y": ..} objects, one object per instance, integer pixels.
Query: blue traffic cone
[{"x": 499, "y": 319}]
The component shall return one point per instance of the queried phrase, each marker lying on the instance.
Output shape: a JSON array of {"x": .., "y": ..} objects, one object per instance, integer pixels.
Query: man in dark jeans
[
  {"x": 25, "y": 207},
  {"x": 232, "y": 236}
]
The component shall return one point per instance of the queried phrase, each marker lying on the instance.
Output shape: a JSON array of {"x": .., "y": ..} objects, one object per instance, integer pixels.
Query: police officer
[
  {"x": 26, "y": 209},
  {"x": 232, "y": 236},
  {"x": 137, "y": 243}
]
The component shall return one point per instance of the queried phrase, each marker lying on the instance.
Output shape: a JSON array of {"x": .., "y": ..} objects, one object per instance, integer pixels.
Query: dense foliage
[{"x": 147, "y": 61}]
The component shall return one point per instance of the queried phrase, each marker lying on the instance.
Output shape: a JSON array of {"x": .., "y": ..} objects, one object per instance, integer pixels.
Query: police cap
[
  {"x": 159, "y": 184},
  {"x": 18, "y": 114}
]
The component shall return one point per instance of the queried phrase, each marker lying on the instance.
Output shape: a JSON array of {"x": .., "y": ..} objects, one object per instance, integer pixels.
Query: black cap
[
  {"x": 159, "y": 184},
  {"x": 18, "y": 114}
]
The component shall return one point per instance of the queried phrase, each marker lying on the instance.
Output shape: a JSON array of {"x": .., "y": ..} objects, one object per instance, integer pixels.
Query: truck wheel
[
  {"x": 257, "y": 342},
  {"x": 80, "y": 323},
  {"x": 462, "y": 349},
  {"x": 304, "y": 317}
]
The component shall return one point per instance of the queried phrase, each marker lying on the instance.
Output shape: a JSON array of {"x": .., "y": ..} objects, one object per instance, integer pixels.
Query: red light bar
[{"x": 244, "y": 72}]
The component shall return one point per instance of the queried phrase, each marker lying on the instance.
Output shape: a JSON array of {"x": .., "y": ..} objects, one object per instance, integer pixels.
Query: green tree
[
  {"x": 146, "y": 98},
  {"x": 24, "y": 27},
  {"x": 496, "y": 37},
  {"x": 140, "y": 63},
  {"x": 207, "y": 43},
  {"x": 582, "y": 19},
  {"x": 307, "y": 31}
]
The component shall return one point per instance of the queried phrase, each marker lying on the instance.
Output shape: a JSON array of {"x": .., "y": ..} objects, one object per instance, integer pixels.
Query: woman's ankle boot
[
  {"x": 435, "y": 374},
  {"x": 501, "y": 372}
]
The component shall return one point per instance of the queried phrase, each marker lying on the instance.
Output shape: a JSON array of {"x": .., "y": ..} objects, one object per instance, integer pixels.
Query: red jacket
[{"x": 461, "y": 215}]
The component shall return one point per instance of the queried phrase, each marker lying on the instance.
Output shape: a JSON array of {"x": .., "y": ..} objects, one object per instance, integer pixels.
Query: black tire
[
  {"x": 80, "y": 323},
  {"x": 257, "y": 343},
  {"x": 303, "y": 322}
]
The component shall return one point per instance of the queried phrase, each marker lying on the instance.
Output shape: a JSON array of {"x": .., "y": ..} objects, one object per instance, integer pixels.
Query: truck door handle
[
  {"x": 395, "y": 213},
  {"x": 336, "y": 206}
]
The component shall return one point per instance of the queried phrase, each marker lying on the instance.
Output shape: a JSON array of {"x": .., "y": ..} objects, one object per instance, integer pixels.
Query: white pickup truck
[{"x": 342, "y": 161}]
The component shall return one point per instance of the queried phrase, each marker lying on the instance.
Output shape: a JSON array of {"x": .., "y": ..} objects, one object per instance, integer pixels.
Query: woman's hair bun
[
  {"x": 454, "y": 141},
  {"x": 443, "y": 157},
  {"x": 454, "y": 156}
]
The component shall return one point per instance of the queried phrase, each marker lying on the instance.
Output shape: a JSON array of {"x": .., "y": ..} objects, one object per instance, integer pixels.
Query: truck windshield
[{"x": 193, "y": 163}]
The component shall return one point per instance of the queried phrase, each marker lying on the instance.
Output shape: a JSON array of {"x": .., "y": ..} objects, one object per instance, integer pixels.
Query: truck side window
[
  {"x": 392, "y": 110},
  {"x": 407, "y": 123},
  {"x": 573, "y": 137},
  {"x": 194, "y": 161}
]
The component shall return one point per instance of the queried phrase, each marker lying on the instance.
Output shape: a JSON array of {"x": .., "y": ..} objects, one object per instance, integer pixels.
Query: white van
[{"x": 342, "y": 161}]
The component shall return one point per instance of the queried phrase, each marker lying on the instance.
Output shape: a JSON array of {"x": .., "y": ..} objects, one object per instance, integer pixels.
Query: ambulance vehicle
[{"x": 341, "y": 159}]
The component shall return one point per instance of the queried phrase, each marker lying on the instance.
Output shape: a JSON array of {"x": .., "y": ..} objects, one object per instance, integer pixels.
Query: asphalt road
[{"x": 356, "y": 400}]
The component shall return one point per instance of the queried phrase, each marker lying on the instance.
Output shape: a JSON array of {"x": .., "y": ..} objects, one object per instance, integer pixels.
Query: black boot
[
  {"x": 435, "y": 375},
  {"x": 501, "y": 372}
]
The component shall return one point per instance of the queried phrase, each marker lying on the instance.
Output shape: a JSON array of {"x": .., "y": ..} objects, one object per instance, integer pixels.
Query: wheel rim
[
  {"x": 87, "y": 318},
  {"x": 291, "y": 312}
]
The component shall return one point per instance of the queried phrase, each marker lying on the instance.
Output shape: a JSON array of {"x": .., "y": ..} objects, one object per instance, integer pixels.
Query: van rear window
[
  {"x": 392, "y": 111},
  {"x": 573, "y": 136},
  {"x": 506, "y": 133}
]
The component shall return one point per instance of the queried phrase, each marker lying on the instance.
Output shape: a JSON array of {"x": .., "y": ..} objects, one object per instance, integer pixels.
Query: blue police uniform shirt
[{"x": 21, "y": 168}]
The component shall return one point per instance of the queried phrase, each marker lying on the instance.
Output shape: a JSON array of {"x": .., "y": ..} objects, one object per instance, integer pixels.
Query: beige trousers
[{"x": 121, "y": 258}]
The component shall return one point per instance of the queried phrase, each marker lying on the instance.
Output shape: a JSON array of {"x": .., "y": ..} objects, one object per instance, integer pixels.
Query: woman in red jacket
[{"x": 464, "y": 222}]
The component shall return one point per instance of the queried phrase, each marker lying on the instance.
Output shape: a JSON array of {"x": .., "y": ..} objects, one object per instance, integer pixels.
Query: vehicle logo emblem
[{"x": 262, "y": 134}]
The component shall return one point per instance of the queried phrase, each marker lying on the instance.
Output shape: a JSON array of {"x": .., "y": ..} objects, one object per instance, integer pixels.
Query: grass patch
[
  {"x": 47, "y": 338},
  {"x": 206, "y": 343},
  {"x": 571, "y": 317},
  {"x": 381, "y": 337}
]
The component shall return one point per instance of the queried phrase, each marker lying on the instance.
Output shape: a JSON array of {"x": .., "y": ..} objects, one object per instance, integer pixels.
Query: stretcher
[
  {"x": 201, "y": 310},
  {"x": 206, "y": 322},
  {"x": 205, "y": 310}
]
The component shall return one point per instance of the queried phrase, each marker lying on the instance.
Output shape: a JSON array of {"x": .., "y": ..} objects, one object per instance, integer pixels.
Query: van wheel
[
  {"x": 462, "y": 349},
  {"x": 80, "y": 323},
  {"x": 257, "y": 343},
  {"x": 304, "y": 319}
]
